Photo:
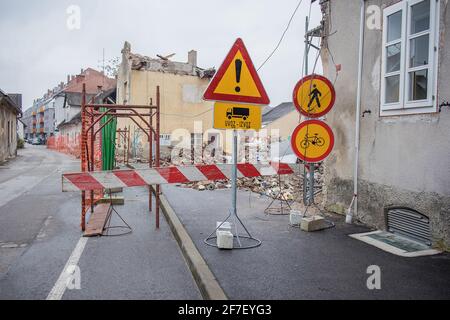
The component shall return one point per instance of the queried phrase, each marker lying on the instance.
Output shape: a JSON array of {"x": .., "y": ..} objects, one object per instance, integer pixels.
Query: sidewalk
[
  {"x": 292, "y": 264},
  {"x": 40, "y": 229}
]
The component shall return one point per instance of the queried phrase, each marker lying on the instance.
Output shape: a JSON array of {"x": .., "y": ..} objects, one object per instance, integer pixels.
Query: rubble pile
[
  {"x": 207, "y": 185},
  {"x": 287, "y": 187}
]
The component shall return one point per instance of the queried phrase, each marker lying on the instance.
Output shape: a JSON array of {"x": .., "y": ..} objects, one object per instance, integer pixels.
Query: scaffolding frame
[
  {"x": 91, "y": 116},
  {"x": 124, "y": 135}
]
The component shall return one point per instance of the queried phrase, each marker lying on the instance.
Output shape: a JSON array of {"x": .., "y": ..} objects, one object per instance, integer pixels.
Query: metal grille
[{"x": 409, "y": 223}]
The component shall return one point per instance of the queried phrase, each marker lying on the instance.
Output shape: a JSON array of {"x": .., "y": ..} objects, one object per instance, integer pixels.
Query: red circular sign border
[
  {"x": 310, "y": 122},
  {"x": 327, "y": 82}
]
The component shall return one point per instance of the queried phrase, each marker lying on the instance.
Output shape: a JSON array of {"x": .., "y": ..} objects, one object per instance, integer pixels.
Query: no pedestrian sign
[{"x": 314, "y": 96}]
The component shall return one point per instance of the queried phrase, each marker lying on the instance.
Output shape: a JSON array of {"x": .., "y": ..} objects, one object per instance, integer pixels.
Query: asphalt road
[
  {"x": 39, "y": 231},
  {"x": 291, "y": 264},
  {"x": 39, "y": 234}
]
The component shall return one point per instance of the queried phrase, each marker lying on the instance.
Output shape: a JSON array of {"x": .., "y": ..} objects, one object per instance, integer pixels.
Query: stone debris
[
  {"x": 207, "y": 185},
  {"x": 286, "y": 187}
]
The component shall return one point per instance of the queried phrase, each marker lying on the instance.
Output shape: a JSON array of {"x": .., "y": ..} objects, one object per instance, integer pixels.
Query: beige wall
[
  {"x": 8, "y": 143},
  {"x": 181, "y": 101},
  {"x": 285, "y": 125},
  {"x": 403, "y": 160}
]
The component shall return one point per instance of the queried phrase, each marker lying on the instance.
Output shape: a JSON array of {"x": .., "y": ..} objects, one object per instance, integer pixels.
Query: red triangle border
[{"x": 209, "y": 93}]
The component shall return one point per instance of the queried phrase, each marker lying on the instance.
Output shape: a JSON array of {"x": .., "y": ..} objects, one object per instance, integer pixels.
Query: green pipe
[{"x": 108, "y": 139}]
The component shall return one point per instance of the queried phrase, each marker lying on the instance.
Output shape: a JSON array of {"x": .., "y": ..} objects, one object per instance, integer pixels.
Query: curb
[{"x": 203, "y": 276}]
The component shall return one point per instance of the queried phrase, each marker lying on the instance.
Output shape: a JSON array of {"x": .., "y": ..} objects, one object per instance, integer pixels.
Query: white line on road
[{"x": 61, "y": 284}]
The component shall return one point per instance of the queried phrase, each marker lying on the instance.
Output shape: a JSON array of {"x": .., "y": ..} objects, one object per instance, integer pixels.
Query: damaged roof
[
  {"x": 11, "y": 101},
  {"x": 139, "y": 62},
  {"x": 74, "y": 98},
  {"x": 75, "y": 119},
  {"x": 164, "y": 65}
]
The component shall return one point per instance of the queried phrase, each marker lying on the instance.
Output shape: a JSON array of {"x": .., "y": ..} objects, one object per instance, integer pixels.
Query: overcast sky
[{"x": 38, "y": 50}]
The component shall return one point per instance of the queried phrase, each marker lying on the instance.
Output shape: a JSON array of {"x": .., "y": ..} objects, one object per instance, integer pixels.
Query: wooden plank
[
  {"x": 98, "y": 219},
  {"x": 115, "y": 200}
]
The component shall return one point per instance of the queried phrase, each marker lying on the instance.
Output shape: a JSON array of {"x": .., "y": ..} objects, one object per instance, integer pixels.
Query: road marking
[
  {"x": 61, "y": 284},
  {"x": 42, "y": 233}
]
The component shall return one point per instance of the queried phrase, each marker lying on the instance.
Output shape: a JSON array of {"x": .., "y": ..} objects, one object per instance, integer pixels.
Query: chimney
[
  {"x": 126, "y": 48},
  {"x": 68, "y": 78},
  {"x": 81, "y": 71},
  {"x": 192, "y": 58}
]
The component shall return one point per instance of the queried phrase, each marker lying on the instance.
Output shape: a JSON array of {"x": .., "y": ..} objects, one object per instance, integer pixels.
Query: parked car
[{"x": 37, "y": 141}]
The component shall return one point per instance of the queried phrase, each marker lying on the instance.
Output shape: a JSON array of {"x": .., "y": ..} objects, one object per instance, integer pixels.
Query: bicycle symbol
[{"x": 312, "y": 140}]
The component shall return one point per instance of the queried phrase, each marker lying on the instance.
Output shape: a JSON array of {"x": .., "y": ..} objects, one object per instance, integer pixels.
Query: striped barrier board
[{"x": 98, "y": 180}]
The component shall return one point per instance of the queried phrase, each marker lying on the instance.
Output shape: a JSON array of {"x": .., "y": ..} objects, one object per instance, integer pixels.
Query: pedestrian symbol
[{"x": 314, "y": 96}]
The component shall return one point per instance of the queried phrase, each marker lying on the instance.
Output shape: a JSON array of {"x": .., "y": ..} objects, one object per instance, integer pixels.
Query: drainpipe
[{"x": 354, "y": 203}]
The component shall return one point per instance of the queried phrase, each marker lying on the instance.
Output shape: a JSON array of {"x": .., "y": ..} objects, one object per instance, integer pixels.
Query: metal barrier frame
[{"x": 90, "y": 116}]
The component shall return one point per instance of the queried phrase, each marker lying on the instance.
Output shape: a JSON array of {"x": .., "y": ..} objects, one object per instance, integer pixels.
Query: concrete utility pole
[{"x": 308, "y": 181}]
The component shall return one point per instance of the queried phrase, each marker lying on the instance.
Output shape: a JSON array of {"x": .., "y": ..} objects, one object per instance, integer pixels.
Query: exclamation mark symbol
[{"x": 238, "y": 66}]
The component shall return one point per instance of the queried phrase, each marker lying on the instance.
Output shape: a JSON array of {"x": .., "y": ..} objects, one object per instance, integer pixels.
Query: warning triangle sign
[{"x": 237, "y": 79}]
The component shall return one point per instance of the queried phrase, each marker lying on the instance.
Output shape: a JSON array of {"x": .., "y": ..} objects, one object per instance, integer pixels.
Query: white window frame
[{"x": 404, "y": 106}]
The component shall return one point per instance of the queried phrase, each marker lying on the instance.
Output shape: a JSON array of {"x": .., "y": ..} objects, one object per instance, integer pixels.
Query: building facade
[
  {"x": 61, "y": 104},
  {"x": 182, "y": 85},
  {"x": 404, "y": 120},
  {"x": 10, "y": 111},
  {"x": 39, "y": 119}
]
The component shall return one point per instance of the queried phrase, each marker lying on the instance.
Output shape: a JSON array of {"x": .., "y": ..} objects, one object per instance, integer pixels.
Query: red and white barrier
[{"x": 98, "y": 180}]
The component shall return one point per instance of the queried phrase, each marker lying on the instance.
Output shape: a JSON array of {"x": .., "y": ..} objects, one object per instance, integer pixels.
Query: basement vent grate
[{"x": 409, "y": 223}]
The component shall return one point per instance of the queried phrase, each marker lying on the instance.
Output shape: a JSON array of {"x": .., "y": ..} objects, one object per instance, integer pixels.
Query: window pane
[
  {"x": 393, "y": 54},
  {"x": 394, "y": 31},
  {"x": 420, "y": 17},
  {"x": 419, "y": 51},
  {"x": 418, "y": 85},
  {"x": 392, "y": 89}
]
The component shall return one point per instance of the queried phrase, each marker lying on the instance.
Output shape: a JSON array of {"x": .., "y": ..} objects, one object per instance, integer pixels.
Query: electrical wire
[
  {"x": 282, "y": 36},
  {"x": 184, "y": 116}
]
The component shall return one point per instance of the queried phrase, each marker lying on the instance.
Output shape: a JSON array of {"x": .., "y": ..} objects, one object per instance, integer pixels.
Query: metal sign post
[
  {"x": 234, "y": 173},
  {"x": 239, "y": 90},
  {"x": 243, "y": 241},
  {"x": 308, "y": 185},
  {"x": 314, "y": 97},
  {"x": 308, "y": 180}
]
